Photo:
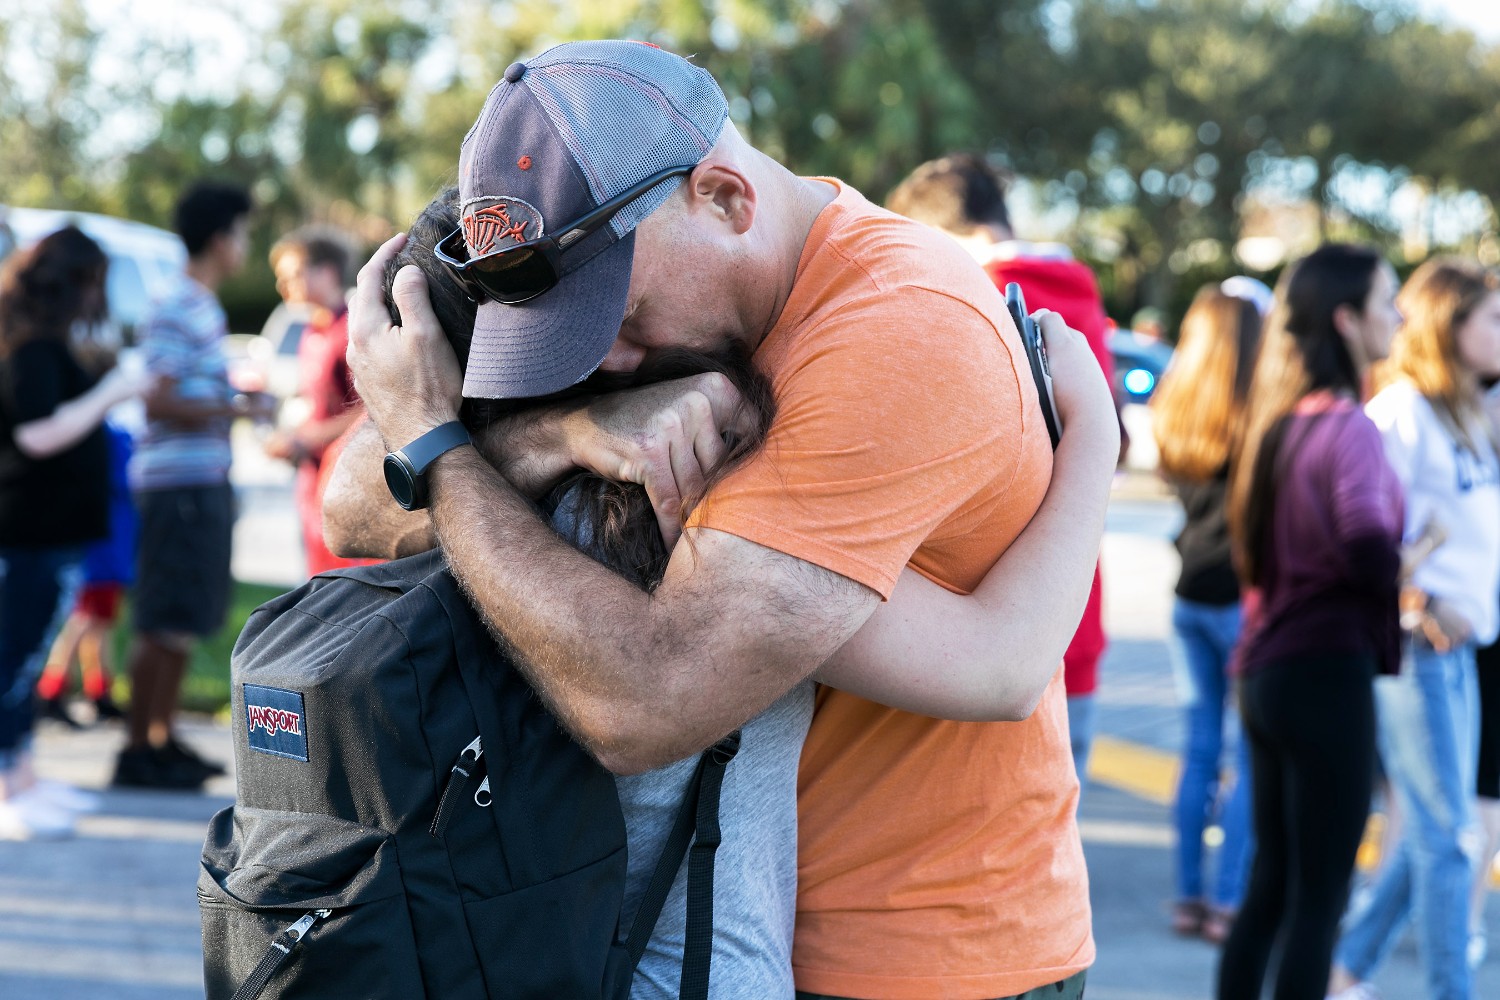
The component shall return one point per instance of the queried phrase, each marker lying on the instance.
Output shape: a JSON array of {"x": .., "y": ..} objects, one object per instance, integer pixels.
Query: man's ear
[{"x": 723, "y": 190}]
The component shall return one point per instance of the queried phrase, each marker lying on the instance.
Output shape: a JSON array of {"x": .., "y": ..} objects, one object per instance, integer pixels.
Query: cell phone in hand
[{"x": 1036, "y": 355}]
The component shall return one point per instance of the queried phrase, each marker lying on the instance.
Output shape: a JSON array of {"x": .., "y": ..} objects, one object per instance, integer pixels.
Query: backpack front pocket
[{"x": 298, "y": 905}]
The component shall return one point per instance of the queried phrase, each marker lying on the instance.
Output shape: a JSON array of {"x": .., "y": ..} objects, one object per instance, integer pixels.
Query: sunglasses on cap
[{"x": 520, "y": 273}]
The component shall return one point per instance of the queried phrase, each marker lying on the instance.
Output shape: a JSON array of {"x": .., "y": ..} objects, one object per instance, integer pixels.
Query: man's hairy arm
[
  {"x": 360, "y": 519},
  {"x": 640, "y": 679},
  {"x": 988, "y": 656}
]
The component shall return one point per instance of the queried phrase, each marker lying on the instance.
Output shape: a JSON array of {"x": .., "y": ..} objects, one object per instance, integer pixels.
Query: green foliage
[{"x": 49, "y": 108}]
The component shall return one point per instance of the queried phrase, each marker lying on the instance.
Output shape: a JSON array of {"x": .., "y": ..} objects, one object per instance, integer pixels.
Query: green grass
[{"x": 206, "y": 687}]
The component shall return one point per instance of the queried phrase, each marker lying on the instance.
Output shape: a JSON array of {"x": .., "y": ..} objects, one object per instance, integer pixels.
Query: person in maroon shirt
[
  {"x": 311, "y": 268},
  {"x": 964, "y": 196},
  {"x": 1315, "y": 519}
]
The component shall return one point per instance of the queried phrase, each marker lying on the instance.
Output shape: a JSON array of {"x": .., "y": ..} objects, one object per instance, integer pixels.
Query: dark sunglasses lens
[{"x": 514, "y": 275}]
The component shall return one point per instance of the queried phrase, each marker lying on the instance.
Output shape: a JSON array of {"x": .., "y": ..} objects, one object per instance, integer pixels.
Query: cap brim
[{"x": 556, "y": 339}]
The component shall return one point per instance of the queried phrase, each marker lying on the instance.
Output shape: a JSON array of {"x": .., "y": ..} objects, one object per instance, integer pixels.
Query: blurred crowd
[
  {"x": 114, "y": 476},
  {"x": 1334, "y": 449}
]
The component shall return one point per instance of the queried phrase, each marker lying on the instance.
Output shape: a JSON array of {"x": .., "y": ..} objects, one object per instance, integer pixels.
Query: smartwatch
[{"x": 405, "y": 469}]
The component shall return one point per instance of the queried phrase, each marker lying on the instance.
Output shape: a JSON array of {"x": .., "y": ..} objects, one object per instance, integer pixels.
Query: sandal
[
  {"x": 1217, "y": 923},
  {"x": 1188, "y": 916}
]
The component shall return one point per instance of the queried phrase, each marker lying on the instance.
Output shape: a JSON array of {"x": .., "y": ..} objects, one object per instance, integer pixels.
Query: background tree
[{"x": 1148, "y": 131}]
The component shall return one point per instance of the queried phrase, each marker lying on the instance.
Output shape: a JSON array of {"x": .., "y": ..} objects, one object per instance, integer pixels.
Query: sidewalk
[{"x": 113, "y": 914}]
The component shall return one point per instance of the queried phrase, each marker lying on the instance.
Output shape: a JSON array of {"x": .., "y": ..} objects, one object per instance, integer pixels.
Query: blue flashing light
[{"x": 1139, "y": 382}]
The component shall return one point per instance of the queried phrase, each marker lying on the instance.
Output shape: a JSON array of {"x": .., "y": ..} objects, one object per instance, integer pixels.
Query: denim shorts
[{"x": 182, "y": 564}]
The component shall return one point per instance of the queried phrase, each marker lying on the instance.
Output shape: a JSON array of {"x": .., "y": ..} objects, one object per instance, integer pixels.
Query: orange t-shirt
[{"x": 935, "y": 858}]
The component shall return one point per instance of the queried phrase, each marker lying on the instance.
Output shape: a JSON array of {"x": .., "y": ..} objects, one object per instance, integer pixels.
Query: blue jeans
[
  {"x": 1082, "y": 711},
  {"x": 32, "y": 582},
  {"x": 1428, "y": 724},
  {"x": 1205, "y": 634}
]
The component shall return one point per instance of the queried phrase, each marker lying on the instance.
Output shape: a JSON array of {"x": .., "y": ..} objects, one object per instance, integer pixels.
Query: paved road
[{"x": 112, "y": 913}]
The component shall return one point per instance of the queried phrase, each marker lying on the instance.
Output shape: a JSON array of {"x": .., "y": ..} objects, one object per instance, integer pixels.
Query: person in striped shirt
[{"x": 180, "y": 479}]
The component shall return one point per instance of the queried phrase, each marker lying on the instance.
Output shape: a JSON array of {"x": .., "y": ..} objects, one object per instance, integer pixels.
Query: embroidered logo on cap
[
  {"x": 276, "y": 722},
  {"x": 490, "y": 222}
]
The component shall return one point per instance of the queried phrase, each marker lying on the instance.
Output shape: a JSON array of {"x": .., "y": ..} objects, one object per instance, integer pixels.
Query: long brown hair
[
  {"x": 1197, "y": 408},
  {"x": 1435, "y": 303},
  {"x": 46, "y": 289},
  {"x": 1301, "y": 351},
  {"x": 621, "y": 525}
]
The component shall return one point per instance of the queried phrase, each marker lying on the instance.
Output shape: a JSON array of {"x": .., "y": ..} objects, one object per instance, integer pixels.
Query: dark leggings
[
  {"x": 1311, "y": 725},
  {"x": 1487, "y": 660}
]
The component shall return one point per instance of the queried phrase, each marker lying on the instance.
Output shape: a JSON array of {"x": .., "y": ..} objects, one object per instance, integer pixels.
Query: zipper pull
[
  {"x": 469, "y": 764},
  {"x": 295, "y": 932},
  {"x": 475, "y": 749},
  {"x": 482, "y": 796},
  {"x": 277, "y": 954}
]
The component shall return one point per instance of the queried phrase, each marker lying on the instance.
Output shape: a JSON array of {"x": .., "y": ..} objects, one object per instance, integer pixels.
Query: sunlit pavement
[{"x": 112, "y": 913}]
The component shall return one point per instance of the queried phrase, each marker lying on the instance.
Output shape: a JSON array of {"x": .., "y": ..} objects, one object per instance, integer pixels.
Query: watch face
[{"x": 398, "y": 480}]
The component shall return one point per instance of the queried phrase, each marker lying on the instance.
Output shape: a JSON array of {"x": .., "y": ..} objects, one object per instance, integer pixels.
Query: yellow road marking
[
  {"x": 1152, "y": 774},
  {"x": 1143, "y": 771}
]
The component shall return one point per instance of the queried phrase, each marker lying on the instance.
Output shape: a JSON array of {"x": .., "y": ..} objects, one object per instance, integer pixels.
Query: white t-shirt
[{"x": 1457, "y": 486}]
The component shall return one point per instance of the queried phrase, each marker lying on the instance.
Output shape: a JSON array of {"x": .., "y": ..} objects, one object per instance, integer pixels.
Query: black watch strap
[
  {"x": 441, "y": 439},
  {"x": 405, "y": 469}
]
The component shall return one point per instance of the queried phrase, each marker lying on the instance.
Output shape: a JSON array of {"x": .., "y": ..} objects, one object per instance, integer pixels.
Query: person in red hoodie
[
  {"x": 311, "y": 267},
  {"x": 964, "y": 196}
]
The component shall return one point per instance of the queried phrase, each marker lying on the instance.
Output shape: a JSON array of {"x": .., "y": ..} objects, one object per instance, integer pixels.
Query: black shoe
[
  {"x": 57, "y": 711},
  {"x": 105, "y": 709},
  {"x": 146, "y": 767},
  {"x": 185, "y": 755}
]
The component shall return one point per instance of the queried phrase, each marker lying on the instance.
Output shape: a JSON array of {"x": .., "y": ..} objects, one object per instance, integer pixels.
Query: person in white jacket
[{"x": 1443, "y": 447}]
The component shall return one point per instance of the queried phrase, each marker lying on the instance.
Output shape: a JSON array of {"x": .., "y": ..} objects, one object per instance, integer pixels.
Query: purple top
[{"x": 1329, "y": 577}]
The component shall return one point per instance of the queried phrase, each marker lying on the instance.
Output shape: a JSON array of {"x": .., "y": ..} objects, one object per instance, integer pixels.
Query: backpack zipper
[
  {"x": 469, "y": 763},
  {"x": 279, "y": 952}
]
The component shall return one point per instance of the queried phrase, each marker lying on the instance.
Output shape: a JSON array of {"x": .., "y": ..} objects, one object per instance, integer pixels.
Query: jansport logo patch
[
  {"x": 273, "y": 719},
  {"x": 275, "y": 722}
]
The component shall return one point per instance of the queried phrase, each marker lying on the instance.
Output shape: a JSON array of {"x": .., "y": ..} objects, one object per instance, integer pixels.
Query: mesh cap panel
[{"x": 611, "y": 107}]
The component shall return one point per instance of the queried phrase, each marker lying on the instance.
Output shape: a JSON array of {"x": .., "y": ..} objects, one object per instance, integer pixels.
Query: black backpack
[{"x": 411, "y": 821}]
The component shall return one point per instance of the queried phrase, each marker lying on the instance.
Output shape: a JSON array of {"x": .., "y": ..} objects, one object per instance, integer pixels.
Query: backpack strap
[
  {"x": 699, "y": 812},
  {"x": 697, "y": 952}
]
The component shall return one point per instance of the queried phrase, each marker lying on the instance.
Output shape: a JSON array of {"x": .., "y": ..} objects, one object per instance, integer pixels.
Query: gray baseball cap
[{"x": 560, "y": 135}]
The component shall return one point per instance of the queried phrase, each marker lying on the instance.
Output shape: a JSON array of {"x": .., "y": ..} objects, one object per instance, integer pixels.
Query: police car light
[{"x": 1139, "y": 382}]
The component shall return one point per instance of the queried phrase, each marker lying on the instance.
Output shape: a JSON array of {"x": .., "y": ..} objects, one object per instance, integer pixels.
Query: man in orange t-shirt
[{"x": 907, "y": 455}]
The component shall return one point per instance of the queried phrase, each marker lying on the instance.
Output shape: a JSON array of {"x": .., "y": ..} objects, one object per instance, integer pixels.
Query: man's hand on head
[
  {"x": 407, "y": 374},
  {"x": 666, "y": 437}
]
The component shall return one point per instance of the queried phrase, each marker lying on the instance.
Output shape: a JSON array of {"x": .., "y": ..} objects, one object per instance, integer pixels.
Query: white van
[{"x": 142, "y": 259}]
